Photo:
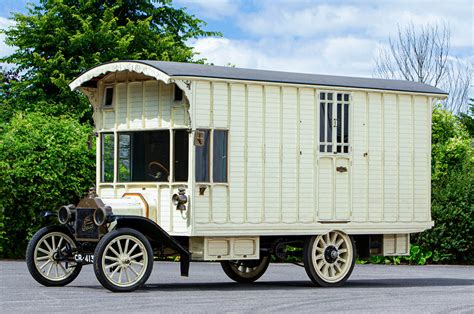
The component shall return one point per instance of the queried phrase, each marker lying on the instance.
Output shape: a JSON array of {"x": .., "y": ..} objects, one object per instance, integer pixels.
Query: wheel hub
[
  {"x": 125, "y": 260},
  {"x": 331, "y": 254},
  {"x": 50, "y": 259}
]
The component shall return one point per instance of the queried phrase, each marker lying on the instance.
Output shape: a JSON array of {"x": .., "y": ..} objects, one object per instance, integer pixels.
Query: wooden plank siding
[
  {"x": 278, "y": 181},
  {"x": 142, "y": 104}
]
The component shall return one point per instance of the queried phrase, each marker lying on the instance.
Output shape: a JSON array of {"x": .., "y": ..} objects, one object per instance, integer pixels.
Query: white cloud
[
  {"x": 279, "y": 20},
  {"x": 375, "y": 19},
  {"x": 350, "y": 56},
  {"x": 331, "y": 37},
  {"x": 326, "y": 36},
  {"x": 4, "y": 49}
]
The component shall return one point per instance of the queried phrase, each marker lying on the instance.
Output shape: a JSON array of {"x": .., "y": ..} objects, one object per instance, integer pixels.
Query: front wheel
[
  {"x": 329, "y": 259},
  {"x": 123, "y": 260},
  {"x": 49, "y": 257},
  {"x": 245, "y": 271}
]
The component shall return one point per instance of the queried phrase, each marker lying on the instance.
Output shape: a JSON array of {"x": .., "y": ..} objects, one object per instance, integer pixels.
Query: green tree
[
  {"x": 58, "y": 39},
  {"x": 43, "y": 157},
  {"x": 467, "y": 119},
  {"x": 452, "y": 238},
  {"x": 44, "y": 163}
]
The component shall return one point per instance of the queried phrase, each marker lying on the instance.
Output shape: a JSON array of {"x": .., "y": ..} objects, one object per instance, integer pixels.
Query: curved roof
[{"x": 178, "y": 69}]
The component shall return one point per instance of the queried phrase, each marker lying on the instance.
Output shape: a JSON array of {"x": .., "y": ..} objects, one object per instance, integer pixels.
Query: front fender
[
  {"x": 153, "y": 231},
  {"x": 47, "y": 214}
]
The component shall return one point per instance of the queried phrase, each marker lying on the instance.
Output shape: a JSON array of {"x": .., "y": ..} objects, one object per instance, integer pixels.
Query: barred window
[{"x": 334, "y": 122}]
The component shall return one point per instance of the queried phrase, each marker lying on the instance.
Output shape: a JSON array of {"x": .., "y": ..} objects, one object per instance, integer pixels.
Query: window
[
  {"x": 125, "y": 158},
  {"x": 108, "y": 96},
  {"x": 181, "y": 154},
  {"x": 202, "y": 159},
  {"x": 218, "y": 138},
  {"x": 107, "y": 151},
  {"x": 178, "y": 93},
  {"x": 334, "y": 122},
  {"x": 144, "y": 156},
  {"x": 219, "y": 167}
]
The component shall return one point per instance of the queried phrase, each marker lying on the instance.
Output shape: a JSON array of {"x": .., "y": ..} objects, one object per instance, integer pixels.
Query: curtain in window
[
  {"x": 202, "y": 159},
  {"x": 219, "y": 169}
]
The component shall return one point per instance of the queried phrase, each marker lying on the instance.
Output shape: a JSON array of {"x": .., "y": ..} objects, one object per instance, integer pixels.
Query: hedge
[{"x": 45, "y": 162}]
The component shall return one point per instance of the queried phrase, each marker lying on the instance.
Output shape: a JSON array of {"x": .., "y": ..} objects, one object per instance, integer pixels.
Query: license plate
[{"x": 86, "y": 258}]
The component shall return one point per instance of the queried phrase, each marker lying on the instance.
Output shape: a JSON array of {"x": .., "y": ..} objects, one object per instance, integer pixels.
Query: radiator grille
[{"x": 86, "y": 229}]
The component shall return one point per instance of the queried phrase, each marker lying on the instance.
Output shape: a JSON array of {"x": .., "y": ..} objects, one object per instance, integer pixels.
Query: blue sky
[{"x": 327, "y": 37}]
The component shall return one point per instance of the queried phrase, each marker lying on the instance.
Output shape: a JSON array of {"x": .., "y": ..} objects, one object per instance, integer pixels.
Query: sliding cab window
[
  {"x": 107, "y": 152},
  {"x": 144, "y": 156},
  {"x": 217, "y": 162}
]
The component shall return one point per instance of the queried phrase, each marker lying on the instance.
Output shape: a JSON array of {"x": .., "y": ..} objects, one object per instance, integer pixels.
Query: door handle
[{"x": 341, "y": 169}]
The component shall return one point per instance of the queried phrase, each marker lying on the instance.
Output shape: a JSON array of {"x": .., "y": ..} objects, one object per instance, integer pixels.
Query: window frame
[
  {"x": 175, "y": 91},
  {"x": 211, "y": 157},
  {"x": 173, "y": 152},
  {"x": 104, "y": 96},
  {"x": 226, "y": 131},
  {"x": 334, "y": 144},
  {"x": 116, "y": 157},
  {"x": 118, "y": 180},
  {"x": 102, "y": 159}
]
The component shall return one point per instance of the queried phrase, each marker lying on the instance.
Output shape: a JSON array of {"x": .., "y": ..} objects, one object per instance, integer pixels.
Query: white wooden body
[{"x": 279, "y": 183}]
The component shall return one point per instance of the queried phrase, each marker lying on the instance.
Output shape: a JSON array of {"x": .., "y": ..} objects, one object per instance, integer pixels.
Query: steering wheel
[{"x": 158, "y": 171}]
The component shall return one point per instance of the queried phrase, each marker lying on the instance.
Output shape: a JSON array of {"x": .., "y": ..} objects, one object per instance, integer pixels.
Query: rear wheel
[
  {"x": 49, "y": 257},
  {"x": 329, "y": 259},
  {"x": 246, "y": 270},
  {"x": 123, "y": 260}
]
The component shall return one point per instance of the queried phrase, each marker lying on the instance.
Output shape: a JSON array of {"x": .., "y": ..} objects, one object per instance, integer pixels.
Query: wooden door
[
  {"x": 334, "y": 162},
  {"x": 334, "y": 188}
]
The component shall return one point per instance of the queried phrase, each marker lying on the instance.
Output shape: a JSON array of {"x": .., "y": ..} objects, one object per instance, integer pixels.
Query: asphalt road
[{"x": 283, "y": 288}]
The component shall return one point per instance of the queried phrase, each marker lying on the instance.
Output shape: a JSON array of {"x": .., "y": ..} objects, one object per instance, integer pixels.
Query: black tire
[
  {"x": 330, "y": 263},
  {"x": 104, "y": 260},
  {"x": 257, "y": 269},
  {"x": 38, "y": 262}
]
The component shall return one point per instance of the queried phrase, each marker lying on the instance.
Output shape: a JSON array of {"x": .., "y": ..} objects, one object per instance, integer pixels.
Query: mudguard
[{"x": 153, "y": 231}]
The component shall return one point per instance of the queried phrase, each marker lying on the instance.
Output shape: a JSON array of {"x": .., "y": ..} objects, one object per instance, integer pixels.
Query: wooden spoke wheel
[
  {"x": 123, "y": 260},
  {"x": 49, "y": 257},
  {"x": 245, "y": 271},
  {"x": 329, "y": 259}
]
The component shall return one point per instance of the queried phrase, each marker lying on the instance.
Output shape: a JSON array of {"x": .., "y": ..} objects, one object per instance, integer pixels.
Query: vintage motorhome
[{"x": 233, "y": 165}]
